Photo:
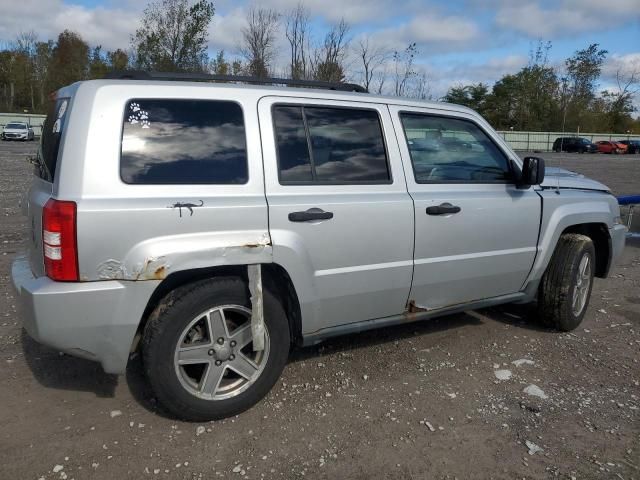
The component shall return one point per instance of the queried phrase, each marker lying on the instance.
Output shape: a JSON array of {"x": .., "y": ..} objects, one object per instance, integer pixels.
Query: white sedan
[{"x": 17, "y": 131}]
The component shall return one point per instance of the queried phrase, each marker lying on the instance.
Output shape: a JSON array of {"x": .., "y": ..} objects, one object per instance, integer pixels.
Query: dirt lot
[{"x": 416, "y": 401}]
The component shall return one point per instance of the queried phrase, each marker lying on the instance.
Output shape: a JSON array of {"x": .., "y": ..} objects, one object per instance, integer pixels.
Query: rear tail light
[{"x": 59, "y": 240}]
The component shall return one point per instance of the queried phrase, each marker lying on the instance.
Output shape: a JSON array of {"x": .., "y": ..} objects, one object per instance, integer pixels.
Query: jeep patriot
[{"x": 211, "y": 226}]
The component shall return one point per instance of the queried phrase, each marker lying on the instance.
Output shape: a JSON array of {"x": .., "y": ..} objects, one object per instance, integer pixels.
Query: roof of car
[{"x": 267, "y": 90}]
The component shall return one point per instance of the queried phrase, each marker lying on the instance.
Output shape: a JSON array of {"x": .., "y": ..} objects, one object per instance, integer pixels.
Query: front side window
[
  {"x": 171, "y": 141},
  {"x": 452, "y": 150},
  {"x": 329, "y": 145}
]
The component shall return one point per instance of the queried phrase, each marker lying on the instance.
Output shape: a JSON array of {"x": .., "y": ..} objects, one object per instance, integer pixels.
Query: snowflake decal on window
[{"x": 137, "y": 115}]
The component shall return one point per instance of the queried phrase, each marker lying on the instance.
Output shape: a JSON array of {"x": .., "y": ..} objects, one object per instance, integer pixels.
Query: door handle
[
  {"x": 310, "y": 215},
  {"x": 443, "y": 209}
]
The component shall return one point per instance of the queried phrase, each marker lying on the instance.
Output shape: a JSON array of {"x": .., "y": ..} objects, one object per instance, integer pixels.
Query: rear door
[
  {"x": 340, "y": 217},
  {"x": 476, "y": 232},
  {"x": 45, "y": 174}
]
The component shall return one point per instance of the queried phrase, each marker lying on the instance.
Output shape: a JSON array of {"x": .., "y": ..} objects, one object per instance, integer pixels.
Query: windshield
[
  {"x": 16, "y": 126},
  {"x": 584, "y": 140}
]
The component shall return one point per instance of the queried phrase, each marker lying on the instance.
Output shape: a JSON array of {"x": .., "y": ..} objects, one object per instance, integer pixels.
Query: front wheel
[
  {"x": 198, "y": 351},
  {"x": 565, "y": 288}
]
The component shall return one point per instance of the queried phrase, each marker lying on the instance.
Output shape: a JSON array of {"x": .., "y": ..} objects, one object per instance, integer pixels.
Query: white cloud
[
  {"x": 446, "y": 33},
  {"x": 565, "y": 17},
  {"x": 98, "y": 26},
  {"x": 353, "y": 11},
  {"x": 225, "y": 31},
  {"x": 539, "y": 22},
  {"x": 625, "y": 64},
  {"x": 442, "y": 78}
]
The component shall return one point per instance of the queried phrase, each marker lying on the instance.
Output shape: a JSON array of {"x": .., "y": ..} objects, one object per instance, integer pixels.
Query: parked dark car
[
  {"x": 574, "y": 144},
  {"x": 633, "y": 146}
]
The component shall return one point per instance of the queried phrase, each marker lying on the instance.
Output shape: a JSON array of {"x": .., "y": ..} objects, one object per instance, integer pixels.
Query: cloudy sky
[{"x": 459, "y": 41}]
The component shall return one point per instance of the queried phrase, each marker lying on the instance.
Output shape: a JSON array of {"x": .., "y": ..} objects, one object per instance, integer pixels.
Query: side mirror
[{"x": 532, "y": 171}]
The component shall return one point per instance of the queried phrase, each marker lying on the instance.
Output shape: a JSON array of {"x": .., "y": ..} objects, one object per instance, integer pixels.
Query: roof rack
[{"x": 206, "y": 77}]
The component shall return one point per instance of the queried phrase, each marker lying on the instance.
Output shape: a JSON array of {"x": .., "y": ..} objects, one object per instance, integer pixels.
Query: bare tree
[
  {"x": 403, "y": 69},
  {"x": 297, "y": 32},
  {"x": 418, "y": 87},
  {"x": 628, "y": 82},
  {"x": 329, "y": 58},
  {"x": 259, "y": 38},
  {"x": 619, "y": 104},
  {"x": 371, "y": 59},
  {"x": 26, "y": 43}
]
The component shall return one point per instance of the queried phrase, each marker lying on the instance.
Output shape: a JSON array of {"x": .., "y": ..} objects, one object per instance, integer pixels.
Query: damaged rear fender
[{"x": 157, "y": 258}]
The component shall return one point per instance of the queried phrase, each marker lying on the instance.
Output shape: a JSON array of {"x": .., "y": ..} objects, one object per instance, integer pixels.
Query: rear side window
[
  {"x": 52, "y": 130},
  {"x": 171, "y": 141},
  {"x": 329, "y": 145}
]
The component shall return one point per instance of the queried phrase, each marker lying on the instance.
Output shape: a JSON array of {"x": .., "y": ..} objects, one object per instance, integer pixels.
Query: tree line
[
  {"x": 541, "y": 98},
  {"x": 173, "y": 37}
]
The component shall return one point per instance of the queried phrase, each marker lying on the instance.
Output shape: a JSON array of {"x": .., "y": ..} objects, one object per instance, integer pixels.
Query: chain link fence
[{"x": 543, "y": 141}]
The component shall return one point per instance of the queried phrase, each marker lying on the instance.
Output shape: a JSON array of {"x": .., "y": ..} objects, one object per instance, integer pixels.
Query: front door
[
  {"x": 476, "y": 232},
  {"x": 340, "y": 217}
]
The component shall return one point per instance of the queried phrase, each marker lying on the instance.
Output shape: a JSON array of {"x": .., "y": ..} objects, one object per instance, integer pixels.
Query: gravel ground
[{"x": 483, "y": 394}]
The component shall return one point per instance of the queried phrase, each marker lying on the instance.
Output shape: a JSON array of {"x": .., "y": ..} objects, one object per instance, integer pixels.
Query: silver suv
[{"x": 213, "y": 226}]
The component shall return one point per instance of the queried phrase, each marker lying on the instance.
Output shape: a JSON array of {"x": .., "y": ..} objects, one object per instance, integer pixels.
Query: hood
[
  {"x": 15, "y": 130},
  {"x": 560, "y": 178}
]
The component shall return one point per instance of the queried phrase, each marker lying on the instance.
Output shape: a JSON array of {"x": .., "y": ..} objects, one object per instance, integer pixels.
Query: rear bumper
[{"x": 93, "y": 320}]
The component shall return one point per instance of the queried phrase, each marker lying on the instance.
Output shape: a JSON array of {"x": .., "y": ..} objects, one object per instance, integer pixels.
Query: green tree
[
  {"x": 42, "y": 66},
  {"x": 173, "y": 36},
  {"x": 98, "y": 66},
  {"x": 69, "y": 60},
  {"x": 118, "y": 60},
  {"x": 583, "y": 71},
  {"x": 219, "y": 65},
  {"x": 473, "y": 96},
  {"x": 237, "y": 67},
  {"x": 8, "y": 67}
]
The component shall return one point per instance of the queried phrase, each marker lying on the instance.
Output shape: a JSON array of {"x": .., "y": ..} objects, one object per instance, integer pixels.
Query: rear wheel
[
  {"x": 565, "y": 288},
  {"x": 198, "y": 351}
]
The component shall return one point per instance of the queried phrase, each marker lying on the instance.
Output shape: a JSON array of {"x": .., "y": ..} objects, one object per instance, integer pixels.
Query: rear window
[
  {"x": 329, "y": 145},
  {"x": 52, "y": 130},
  {"x": 171, "y": 141}
]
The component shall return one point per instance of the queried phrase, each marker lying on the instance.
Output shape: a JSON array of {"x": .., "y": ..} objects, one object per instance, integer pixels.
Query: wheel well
[
  {"x": 274, "y": 277},
  {"x": 599, "y": 235}
]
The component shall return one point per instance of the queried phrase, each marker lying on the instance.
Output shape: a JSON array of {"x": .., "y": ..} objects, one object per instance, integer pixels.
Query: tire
[
  {"x": 564, "y": 280},
  {"x": 182, "y": 389}
]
